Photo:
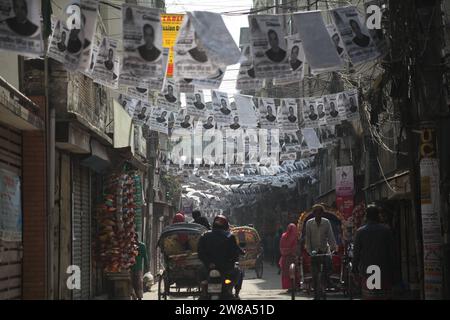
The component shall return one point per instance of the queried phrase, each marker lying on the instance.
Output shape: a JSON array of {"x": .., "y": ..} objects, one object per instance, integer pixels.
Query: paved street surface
[{"x": 267, "y": 288}]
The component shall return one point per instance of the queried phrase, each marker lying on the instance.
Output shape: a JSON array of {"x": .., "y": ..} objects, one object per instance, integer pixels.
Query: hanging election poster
[
  {"x": 138, "y": 93},
  {"x": 310, "y": 113},
  {"x": 289, "y": 142},
  {"x": 158, "y": 84},
  {"x": 10, "y": 207},
  {"x": 312, "y": 140},
  {"x": 352, "y": 104},
  {"x": 171, "y": 24},
  {"x": 221, "y": 107},
  {"x": 358, "y": 43},
  {"x": 341, "y": 104},
  {"x": 170, "y": 98},
  {"x": 99, "y": 34},
  {"x": 337, "y": 40},
  {"x": 89, "y": 10},
  {"x": 327, "y": 135},
  {"x": 203, "y": 46},
  {"x": 236, "y": 122},
  {"x": 142, "y": 45},
  {"x": 107, "y": 65},
  {"x": 320, "y": 52},
  {"x": 268, "y": 45},
  {"x": 376, "y": 32},
  {"x": 195, "y": 104},
  {"x": 128, "y": 103},
  {"x": 322, "y": 120},
  {"x": 251, "y": 145},
  {"x": 20, "y": 30},
  {"x": 246, "y": 77},
  {"x": 246, "y": 111},
  {"x": 159, "y": 120},
  {"x": 267, "y": 113},
  {"x": 65, "y": 46},
  {"x": 288, "y": 115},
  {"x": 142, "y": 113},
  {"x": 296, "y": 61},
  {"x": 209, "y": 122},
  {"x": 184, "y": 120},
  {"x": 331, "y": 109}
]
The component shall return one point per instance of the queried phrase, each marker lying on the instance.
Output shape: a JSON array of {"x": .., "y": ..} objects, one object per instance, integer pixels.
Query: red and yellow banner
[{"x": 171, "y": 24}]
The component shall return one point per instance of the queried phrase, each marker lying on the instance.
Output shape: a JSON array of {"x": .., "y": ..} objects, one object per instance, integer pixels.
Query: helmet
[{"x": 221, "y": 222}]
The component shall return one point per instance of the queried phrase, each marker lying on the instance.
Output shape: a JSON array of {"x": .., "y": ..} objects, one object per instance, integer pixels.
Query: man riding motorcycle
[{"x": 218, "y": 249}]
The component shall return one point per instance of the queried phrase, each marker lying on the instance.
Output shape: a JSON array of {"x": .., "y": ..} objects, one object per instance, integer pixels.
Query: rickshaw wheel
[
  {"x": 259, "y": 268},
  {"x": 162, "y": 287}
]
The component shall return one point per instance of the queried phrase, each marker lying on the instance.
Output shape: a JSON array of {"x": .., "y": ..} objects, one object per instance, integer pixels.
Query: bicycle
[{"x": 320, "y": 290}]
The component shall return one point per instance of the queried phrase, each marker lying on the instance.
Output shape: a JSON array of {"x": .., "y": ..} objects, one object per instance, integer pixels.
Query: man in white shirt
[{"x": 319, "y": 239}]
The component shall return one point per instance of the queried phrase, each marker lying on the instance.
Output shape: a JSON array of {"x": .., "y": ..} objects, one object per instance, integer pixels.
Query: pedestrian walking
[
  {"x": 137, "y": 270},
  {"x": 319, "y": 239},
  {"x": 374, "y": 246},
  {"x": 288, "y": 250}
]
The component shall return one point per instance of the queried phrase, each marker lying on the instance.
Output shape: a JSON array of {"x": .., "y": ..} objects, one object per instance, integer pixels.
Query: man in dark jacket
[
  {"x": 374, "y": 246},
  {"x": 219, "y": 247},
  {"x": 197, "y": 216}
]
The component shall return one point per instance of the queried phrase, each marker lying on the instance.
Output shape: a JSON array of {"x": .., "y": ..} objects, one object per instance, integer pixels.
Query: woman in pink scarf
[{"x": 288, "y": 250}]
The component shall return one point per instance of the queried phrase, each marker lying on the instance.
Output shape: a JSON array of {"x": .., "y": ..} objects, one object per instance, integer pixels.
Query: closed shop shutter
[
  {"x": 10, "y": 252},
  {"x": 81, "y": 227}
]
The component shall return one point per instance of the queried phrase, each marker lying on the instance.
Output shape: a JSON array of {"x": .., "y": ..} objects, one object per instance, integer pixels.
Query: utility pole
[{"x": 417, "y": 73}]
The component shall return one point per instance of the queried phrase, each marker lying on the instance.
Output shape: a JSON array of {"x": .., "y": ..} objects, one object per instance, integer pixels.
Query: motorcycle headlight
[{"x": 227, "y": 281}]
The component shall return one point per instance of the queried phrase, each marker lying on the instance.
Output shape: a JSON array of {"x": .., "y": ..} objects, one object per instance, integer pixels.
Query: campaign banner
[
  {"x": 170, "y": 98},
  {"x": 331, "y": 109},
  {"x": 268, "y": 113},
  {"x": 195, "y": 104},
  {"x": 142, "y": 113},
  {"x": 310, "y": 116},
  {"x": 171, "y": 24},
  {"x": 345, "y": 190},
  {"x": 221, "y": 107},
  {"x": 288, "y": 115},
  {"x": 296, "y": 58}
]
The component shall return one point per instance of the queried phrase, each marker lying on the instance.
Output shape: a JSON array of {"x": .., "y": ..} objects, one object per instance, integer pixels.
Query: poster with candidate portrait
[
  {"x": 311, "y": 118},
  {"x": 107, "y": 64},
  {"x": 89, "y": 9},
  {"x": 352, "y": 105},
  {"x": 184, "y": 120},
  {"x": 327, "y": 135},
  {"x": 290, "y": 142},
  {"x": 159, "y": 120},
  {"x": 288, "y": 115},
  {"x": 221, "y": 107},
  {"x": 296, "y": 61},
  {"x": 65, "y": 45},
  {"x": 170, "y": 98},
  {"x": 331, "y": 109},
  {"x": 97, "y": 39},
  {"x": 358, "y": 43},
  {"x": 268, "y": 45},
  {"x": 320, "y": 105},
  {"x": 157, "y": 84},
  {"x": 209, "y": 122},
  {"x": 246, "y": 111},
  {"x": 20, "y": 27},
  {"x": 246, "y": 79},
  {"x": 128, "y": 104},
  {"x": 195, "y": 104},
  {"x": 268, "y": 113},
  {"x": 320, "y": 52},
  {"x": 142, "y": 45},
  {"x": 191, "y": 58},
  {"x": 142, "y": 113},
  {"x": 337, "y": 41},
  {"x": 203, "y": 45},
  {"x": 342, "y": 102}
]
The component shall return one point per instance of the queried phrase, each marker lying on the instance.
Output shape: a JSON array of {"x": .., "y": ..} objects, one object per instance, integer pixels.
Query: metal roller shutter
[
  {"x": 10, "y": 252},
  {"x": 81, "y": 227}
]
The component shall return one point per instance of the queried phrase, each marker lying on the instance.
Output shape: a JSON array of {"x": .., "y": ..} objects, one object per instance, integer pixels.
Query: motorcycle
[{"x": 219, "y": 286}]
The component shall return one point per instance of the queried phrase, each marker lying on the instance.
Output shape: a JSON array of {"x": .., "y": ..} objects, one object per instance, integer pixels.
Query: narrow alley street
[{"x": 267, "y": 288}]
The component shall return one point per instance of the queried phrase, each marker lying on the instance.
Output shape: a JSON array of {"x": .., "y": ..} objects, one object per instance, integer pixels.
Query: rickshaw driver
[
  {"x": 219, "y": 247},
  {"x": 319, "y": 240}
]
